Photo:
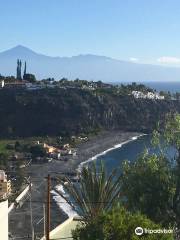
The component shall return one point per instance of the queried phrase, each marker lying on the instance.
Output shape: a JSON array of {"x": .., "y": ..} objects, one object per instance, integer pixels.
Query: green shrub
[
  {"x": 118, "y": 224},
  {"x": 148, "y": 187}
]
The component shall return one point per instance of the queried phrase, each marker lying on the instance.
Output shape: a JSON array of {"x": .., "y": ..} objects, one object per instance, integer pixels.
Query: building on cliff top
[{"x": 5, "y": 186}]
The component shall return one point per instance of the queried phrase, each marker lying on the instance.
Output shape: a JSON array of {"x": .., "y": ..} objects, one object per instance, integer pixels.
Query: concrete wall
[
  {"x": 24, "y": 192},
  {"x": 4, "y": 220},
  {"x": 19, "y": 198}
]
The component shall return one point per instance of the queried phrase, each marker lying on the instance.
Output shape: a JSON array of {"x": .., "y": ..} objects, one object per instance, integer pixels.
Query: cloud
[
  {"x": 169, "y": 60},
  {"x": 133, "y": 59}
]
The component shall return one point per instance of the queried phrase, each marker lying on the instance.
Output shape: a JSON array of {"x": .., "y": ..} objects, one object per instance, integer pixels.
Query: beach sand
[{"x": 19, "y": 219}]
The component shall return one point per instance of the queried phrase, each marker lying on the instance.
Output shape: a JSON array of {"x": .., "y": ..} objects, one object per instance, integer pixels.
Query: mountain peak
[
  {"x": 20, "y": 47},
  {"x": 18, "y": 52}
]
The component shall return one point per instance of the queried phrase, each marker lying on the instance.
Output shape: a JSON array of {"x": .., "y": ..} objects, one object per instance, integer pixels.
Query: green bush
[
  {"x": 37, "y": 151},
  {"x": 118, "y": 224},
  {"x": 148, "y": 187}
]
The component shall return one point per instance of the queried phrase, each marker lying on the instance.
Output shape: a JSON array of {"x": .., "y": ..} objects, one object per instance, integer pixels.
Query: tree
[
  {"x": 20, "y": 177},
  {"x": 148, "y": 187},
  {"x": 18, "y": 146},
  {"x": 177, "y": 96},
  {"x": 95, "y": 193},
  {"x": 30, "y": 77},
  {"x": 171, "y": 135},
  {"x": 37, "y": 151},
  {"x": 3, "y": 161},
  {"x": 116, "y": 225}
]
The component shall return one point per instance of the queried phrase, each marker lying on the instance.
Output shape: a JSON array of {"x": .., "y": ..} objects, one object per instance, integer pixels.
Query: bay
[{"x": 131, "y": 151}]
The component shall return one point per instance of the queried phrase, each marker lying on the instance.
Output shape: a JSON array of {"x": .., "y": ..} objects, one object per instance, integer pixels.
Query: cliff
[{"x": 72, "y": 111}]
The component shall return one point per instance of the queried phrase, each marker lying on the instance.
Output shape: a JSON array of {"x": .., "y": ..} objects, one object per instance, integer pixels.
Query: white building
[
  {"x": 4, "y": 220},
  {"x": 5, "y": 185},
  {"x": 2, "y": 83},
  {"x": 138, "y": 94},
  {"x": 149, "y": 95},
  {"x": 33, "y": 86}
]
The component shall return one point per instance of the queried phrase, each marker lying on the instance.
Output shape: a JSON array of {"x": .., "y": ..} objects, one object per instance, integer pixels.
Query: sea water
[
  {"x": 113, "y": 158},
  {"x": 172, "y": 87},
  {"x": 131, "y": 151}
]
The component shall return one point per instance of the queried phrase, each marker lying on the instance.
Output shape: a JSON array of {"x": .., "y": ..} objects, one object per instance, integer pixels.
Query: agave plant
[{"x": 95, "y": 192}]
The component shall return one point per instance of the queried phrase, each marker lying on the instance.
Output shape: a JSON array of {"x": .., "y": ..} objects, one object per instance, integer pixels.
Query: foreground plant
[
  {"x": 95, "y": 193},
  {"x": 148, "y": 186},
  {"x": 119, "y": 224}
]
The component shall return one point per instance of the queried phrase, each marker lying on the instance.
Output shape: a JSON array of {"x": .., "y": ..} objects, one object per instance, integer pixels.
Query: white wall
[{"x": 4, "y": 220}]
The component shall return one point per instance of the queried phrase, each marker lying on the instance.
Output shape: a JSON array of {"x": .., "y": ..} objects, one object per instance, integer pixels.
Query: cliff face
[{"x": 72, "y": 111}]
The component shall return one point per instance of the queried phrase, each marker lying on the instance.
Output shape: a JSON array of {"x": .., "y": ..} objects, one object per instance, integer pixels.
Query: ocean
[
  {"x": 130, "y": 151},
  {"x": 113, "y": 158},
  {"x": 173, "y": 87}
]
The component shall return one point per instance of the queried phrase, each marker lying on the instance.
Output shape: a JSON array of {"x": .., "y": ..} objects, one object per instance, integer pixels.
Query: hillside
[
  {"x": 56, "y": 112},
  {"x": 88, "y": 66}
]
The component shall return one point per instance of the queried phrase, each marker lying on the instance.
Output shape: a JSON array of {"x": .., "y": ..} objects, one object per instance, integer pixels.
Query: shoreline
[
  {"x": 100, "y": 145},
  {"x": 108, "y": 150},
  {"x": 66, "y": 208}
]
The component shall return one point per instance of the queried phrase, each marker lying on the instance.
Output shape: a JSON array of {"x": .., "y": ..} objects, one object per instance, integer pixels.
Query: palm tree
[{"x": 96, "y": 192}]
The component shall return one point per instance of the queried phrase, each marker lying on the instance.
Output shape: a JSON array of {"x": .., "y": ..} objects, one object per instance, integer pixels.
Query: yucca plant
[{"x": 95, "y": 192}]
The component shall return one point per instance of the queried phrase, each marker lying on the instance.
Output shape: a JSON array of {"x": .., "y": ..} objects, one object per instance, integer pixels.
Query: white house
[
  {"x": 2, "y": 83},
  {"x": 149, "y": 95}
]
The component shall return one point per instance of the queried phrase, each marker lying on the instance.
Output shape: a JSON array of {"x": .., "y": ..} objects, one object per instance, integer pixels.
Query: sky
[{"x": 134, "y": 30}]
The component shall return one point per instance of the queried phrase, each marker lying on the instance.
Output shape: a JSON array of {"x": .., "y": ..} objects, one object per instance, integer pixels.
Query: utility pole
[
  {"x": 48, "y": 208},
  {"x": 32, "y": 227},
  {"x": 44, "y": 213}
]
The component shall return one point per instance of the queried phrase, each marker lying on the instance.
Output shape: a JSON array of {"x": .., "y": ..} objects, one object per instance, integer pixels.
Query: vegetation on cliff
[{"x": 69, "y": 111}]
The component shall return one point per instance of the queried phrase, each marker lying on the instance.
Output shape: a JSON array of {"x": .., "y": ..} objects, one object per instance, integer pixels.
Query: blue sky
[{"x": 136, "y": 30}]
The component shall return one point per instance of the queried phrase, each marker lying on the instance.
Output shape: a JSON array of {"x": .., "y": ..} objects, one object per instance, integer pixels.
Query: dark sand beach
[{"x": 19, "y": 219}]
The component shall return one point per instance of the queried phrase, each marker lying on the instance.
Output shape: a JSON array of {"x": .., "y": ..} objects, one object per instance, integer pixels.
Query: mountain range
[{"x": 89, "y": 67}]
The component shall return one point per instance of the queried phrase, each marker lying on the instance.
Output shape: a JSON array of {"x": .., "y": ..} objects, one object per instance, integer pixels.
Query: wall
[
  {"x": 4, "y": 220},
  {"x": 19, "y": 198}
]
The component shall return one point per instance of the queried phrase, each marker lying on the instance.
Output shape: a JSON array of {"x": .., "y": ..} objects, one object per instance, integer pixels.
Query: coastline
[
  {"x": 108, "y": 150},
  {"x": 61, "y": 203},
  {"x": 100, "y": 145},
  {"x": 103, "y": 142}
]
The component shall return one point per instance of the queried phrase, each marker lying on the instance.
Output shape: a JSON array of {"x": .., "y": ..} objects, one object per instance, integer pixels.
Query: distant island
[{"x": 85, "y": 66}]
